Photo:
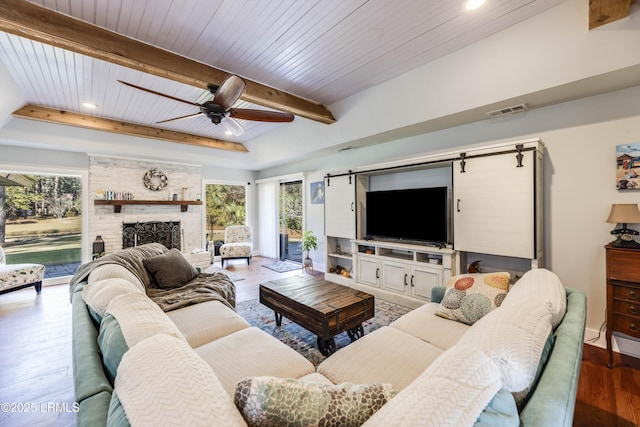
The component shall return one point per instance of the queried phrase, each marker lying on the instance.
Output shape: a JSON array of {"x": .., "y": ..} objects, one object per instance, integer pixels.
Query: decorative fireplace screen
[{"x": 140, "y": 233}]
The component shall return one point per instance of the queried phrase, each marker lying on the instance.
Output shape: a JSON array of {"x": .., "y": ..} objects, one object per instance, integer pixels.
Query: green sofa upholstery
[{"x": 552, "y": 401}]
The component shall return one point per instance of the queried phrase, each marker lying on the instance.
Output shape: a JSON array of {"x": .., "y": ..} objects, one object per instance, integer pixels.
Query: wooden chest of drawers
[{"x": 623, "y": 294}]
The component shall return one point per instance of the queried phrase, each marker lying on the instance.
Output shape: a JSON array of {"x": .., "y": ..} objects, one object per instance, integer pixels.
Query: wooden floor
[{"x": 36, "y": 373}]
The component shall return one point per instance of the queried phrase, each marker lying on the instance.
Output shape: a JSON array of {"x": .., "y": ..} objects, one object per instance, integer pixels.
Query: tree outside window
[
  {"x": 226, "y": 205},
  {"x": 40, "y": 221}
]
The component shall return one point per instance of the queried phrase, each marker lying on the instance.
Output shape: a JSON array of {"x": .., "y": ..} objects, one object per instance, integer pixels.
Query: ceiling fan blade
[
  {"x": 233, "y": 126},
  {"x": 260, "y": 115},
  {"x": 159, "y": 94},
  {"x": 188, "y": 116},
  {"x": 229, "y": 92}
]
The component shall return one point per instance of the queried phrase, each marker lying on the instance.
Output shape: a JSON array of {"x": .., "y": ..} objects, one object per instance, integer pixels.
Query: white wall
[
  {"x": 126, "y": 175},
  {"x": 579, "y": 179}
]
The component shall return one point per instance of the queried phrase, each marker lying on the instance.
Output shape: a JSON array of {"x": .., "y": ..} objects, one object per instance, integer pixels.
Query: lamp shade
[{"x": 624, "y": 214}]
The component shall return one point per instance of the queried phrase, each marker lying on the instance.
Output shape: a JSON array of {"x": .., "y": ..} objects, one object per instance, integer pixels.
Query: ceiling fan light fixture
[{"x": 472, "y": 4}]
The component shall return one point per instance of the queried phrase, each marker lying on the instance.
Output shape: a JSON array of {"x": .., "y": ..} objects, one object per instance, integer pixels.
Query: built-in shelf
[{"x": 117, "y": 204}]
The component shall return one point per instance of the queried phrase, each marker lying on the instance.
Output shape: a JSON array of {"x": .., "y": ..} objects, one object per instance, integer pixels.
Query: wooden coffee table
[{"x": 324, "y": 308}]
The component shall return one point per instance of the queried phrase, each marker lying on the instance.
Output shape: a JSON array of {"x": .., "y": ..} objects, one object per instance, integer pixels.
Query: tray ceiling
[{"x": 318, "y": 51}]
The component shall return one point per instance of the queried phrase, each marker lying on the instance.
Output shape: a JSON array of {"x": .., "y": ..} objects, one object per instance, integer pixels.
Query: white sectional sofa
[{"x": 203, "y": 364}]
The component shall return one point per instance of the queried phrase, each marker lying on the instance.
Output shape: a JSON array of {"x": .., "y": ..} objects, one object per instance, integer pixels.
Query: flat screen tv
[{"x": 416, "y": 214}]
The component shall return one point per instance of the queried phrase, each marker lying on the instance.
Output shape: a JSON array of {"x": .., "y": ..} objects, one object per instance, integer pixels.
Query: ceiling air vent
[
  {"x": 508, "y": 111},
  {"x": 350, "y": 147}
]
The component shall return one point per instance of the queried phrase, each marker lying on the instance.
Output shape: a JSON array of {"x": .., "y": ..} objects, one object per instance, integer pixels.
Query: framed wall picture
[
  {"x": 628, "y": 167},
  {"x": 317, "y": 192}
]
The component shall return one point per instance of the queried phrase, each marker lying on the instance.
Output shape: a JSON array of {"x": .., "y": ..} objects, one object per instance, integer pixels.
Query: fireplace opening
[{"x": 140, "y": 233}]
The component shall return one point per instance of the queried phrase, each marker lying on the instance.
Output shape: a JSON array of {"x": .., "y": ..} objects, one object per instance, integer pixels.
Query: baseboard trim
[{"x": 621, "y": 344}]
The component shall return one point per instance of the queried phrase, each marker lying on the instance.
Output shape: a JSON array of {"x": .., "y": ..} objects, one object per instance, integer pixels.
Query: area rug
[
  {"x": 235, "y": 277},
  {"x": 282, "y": 266},
  {"x": 303, "y": 341}
]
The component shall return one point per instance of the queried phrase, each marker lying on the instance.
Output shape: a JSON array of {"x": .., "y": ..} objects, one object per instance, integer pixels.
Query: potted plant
[{"x": 309, "y": 241}]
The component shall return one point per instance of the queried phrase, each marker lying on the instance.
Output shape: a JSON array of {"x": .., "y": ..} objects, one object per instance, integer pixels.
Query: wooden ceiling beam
[
  {"x": 44, "y": 25},
  {"x": 68, "y": 118},
  {"x": 602, "y": 12}
]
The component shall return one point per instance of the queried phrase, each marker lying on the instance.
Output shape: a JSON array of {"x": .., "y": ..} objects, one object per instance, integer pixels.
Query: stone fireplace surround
[{"x": 126, "y": 175}]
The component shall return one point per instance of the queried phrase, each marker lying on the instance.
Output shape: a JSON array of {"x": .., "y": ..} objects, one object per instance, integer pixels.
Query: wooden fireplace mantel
[{"x": 117, "y": 204}]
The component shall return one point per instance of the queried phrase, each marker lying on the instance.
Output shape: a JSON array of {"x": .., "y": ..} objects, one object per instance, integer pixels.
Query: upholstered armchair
[
  {"x": 19, "y": 276},
  {"x": 238, "y": 243}
]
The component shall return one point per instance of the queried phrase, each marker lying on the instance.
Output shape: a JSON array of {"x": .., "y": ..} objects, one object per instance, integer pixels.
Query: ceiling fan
[{"x": 219, "y": 110}]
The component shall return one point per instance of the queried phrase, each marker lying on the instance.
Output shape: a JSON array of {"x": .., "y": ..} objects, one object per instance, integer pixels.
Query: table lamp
[{"x": 624, "y": 214}]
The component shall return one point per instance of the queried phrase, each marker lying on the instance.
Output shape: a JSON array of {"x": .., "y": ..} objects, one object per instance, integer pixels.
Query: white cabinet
[
  {"x": 400, "y": 272},
  {"x": 423, "y": 278},
  {"x": 496, "y": 204},
  {"x": 410, "y": 278},
  {"x": 368, "y": 270}
]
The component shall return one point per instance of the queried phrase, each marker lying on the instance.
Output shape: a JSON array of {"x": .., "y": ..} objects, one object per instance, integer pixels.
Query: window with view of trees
[
  {"x": 226, "y": 205},
  {"x": 40, "y": 221}
]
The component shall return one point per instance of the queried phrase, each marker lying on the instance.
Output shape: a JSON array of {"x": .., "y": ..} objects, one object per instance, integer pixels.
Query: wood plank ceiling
[{"x": 296, "y": 56}]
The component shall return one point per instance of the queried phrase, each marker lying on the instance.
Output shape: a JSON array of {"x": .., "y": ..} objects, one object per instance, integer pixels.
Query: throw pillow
[
  {"x": 514, "y": 337},
  {"x": 471, "y": 296},
  {"x": 98, "y": 295},
  {"x": 171, "y": 269},
  {"x": 271, "y": 401},
  {"x": 112, "y": 271},
  {"x": 544, "y": 286},
  {"x": 162, "y": 381},
  {"x": 453, "y": 391},
  {"x": 129, "y": 319}
]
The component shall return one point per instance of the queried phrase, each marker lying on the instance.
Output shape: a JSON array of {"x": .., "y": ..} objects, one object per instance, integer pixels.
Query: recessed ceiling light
[
  {"x": 89, "y": 105},
  {"x": 228, "y": 132},
  {"x": 473, "y": 4}
]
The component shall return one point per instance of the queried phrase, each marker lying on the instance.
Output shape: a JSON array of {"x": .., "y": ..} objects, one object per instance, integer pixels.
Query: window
[
  {"x": 226, "y": 205},
  {"x": 41, "y": 221}
]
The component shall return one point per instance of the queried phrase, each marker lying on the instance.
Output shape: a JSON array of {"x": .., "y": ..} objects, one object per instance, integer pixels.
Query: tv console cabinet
[
  {"x": 495, "y": 212},
  {"x": 397, "y": 272}
]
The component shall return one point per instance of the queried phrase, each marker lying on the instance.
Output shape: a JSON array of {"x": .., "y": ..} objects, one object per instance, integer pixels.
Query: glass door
[
  {"x": 41, "y": 221},
  {"x": 290, "y": 201},
  {"x": 226, "y": 204}
]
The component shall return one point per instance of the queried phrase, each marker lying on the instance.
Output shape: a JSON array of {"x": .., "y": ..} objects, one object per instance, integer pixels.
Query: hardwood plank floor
[{"x": 36, "y": 371}]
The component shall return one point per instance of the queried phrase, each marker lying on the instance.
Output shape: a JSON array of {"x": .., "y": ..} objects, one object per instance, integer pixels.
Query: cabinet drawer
[
  {"x": 627, "y": 308},
  {"x": 624, "y": 265},
  {"x": 626, "y": 293},
  {"x": 627, "y": 325}
]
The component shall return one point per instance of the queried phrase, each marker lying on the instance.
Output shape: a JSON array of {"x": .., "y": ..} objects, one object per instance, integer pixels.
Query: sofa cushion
[
  {"x": 500, "y": 412},
  {"x": 271, "y": 401},
  {"x": 421, "y": 323},
  {"x": 471, "y": 296},
  {"x": 388, "y": 356},
  {"x": 171, "y": 269},
  {"x": 113, "y": 271},
  {"x": 544, "y": 285},
  {"x": 129, "y": 319},
  {"x": 98, "y": 295},
  {"x": 177, "y": 388},
  {"x": 514, "y": 337},
  {"x": 207, "y": 321},
  {"x": 252, "y": 352},
  {"x": 452, "y": 391}
]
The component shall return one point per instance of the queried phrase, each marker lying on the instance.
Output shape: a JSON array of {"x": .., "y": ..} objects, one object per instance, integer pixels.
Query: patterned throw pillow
[
  {"x": 285, "y": 402},
  {"x": 470, "y": 296}
]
